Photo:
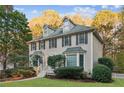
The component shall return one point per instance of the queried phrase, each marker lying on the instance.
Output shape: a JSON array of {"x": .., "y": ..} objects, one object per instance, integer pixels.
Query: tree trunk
[
  {"x": 15, "y": 65},
  {"x": 104, "y": 50},
  {"x": 4, "y": 65}
]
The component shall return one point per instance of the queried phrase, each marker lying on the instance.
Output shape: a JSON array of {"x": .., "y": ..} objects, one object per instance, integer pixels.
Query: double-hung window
[
  {"x": 71, "y": 60},
  {"x": 82, "y": 38},
  {"x": 53, "y": 43},
  {"x": 33, "y": 46},
  {"x": 41, "y": 45},
  {"x": 66, "y": 41}
]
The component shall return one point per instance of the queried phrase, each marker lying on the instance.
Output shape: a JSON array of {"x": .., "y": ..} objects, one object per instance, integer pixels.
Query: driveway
[{"x": 117, "y": 75}]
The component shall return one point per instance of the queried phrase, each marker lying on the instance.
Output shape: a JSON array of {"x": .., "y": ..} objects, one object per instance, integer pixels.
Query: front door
[{"x": 81, "y": 60}]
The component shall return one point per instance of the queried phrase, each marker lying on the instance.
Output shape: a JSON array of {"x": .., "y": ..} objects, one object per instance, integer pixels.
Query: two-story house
[{"x": 81, "y": 45}]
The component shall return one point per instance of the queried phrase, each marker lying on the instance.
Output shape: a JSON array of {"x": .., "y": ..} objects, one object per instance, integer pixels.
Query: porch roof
[{"x": 74, "y": 50}]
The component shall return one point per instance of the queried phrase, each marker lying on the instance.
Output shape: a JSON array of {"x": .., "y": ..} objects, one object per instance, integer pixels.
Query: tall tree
[
  {"x": 49, "y": 17},
  {"x": 106, "y": 23},
  {"x": 14, "y": 33}
]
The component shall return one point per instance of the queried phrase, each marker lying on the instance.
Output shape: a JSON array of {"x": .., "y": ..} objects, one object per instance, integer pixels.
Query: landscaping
[
  {"x": 44, "y": 82},
  {"x": 17, "y": 73}
]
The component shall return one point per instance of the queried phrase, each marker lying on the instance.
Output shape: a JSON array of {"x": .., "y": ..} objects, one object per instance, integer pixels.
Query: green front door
[{"x": 81, "y": 57}]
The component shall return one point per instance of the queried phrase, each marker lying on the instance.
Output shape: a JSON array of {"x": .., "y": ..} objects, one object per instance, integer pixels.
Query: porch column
[
  {"x": 78, "y": 59},
  {"x": 38, "y": 62}
]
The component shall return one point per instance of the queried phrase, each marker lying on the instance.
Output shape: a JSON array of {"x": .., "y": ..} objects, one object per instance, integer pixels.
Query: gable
[
  {"x": 67, "y": 25},
  {"x": 47, "y": 31}
]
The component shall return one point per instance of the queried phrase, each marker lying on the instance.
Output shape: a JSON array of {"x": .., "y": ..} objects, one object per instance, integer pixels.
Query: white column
[
  {"x": 77, "y": 59},
  {"x": 38, "y": 62}
]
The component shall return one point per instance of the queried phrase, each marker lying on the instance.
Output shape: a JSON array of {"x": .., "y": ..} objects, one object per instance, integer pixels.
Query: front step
[{"x": 42, "y": 74}]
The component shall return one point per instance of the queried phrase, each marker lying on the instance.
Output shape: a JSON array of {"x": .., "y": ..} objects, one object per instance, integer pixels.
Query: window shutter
[
  {"x": 86, "y": 38},
  {"x": 55, "y": 43},
  {"x": 62, "y": 41},
  {"x": 49, "y": 43},
  {"x": 76, "y": 39},
  {"x": 39, "y": 45},
  {"x": 70, "y": 40}
]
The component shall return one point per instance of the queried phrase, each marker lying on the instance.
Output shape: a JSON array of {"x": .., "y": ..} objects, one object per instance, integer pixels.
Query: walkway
[
  {"x": 117, "y": 75},
  {"x": 21, "y": 80}
]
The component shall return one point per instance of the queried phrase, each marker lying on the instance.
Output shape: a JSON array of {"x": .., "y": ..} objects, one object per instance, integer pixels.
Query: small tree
[{"x": 56, "y": 61}]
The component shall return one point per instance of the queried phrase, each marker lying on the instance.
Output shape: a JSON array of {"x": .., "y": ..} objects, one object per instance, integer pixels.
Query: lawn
[{"x": 44, "y": 82}]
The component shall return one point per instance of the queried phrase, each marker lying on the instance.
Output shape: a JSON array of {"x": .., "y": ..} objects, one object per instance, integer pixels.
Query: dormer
[
  {"x": 67, "y": 25},
  {"x": 47, "y": 30}
]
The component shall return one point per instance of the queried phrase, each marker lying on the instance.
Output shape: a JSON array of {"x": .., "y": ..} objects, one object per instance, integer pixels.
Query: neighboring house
[
  {"x": 81, "y": 45},
  {"x": 8, "y": 66}
]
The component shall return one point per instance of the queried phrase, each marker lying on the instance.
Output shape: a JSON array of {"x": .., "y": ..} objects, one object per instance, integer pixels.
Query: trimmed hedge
[
  {"x": 106, "y": 61},
  {"x": 69, "y": 72},
  {"x": 102, "y": 73}
]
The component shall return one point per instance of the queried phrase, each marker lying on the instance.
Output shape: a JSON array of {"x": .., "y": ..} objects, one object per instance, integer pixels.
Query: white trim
[
  {"x": 91, "y": 52},
  {"x": 84, "y": 60},
  {"x": 78, "y": 60}
]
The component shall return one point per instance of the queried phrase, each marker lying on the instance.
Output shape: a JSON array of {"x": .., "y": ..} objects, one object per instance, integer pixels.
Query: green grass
[{"x": 44, "y": 82}]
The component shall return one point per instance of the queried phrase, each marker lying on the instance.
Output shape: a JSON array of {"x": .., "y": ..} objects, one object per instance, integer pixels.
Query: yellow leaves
[
  {"x": 77, "y": 19},
  {"x": 104, "y": 17},
  {"x": 36, "y": 31},
  {"x": 49, "y": 17}
]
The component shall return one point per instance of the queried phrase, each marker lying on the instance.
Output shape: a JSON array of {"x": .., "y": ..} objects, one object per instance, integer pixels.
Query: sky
[{"x": 88, "y": 11}]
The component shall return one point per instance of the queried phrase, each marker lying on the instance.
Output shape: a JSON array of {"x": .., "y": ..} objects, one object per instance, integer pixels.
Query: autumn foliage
[{"x": 53, "y": 18}]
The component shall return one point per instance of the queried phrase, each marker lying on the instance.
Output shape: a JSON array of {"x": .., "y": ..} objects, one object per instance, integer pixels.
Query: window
[
  {"x": 66, "y": 40},
  {"x": 41, "y": 45},
  {"x": 33, "y": 46},
  {"x": 53, "y": 43},
  {"x": 82, "y": 38},
  {"x": 71, "y": 60},
  {"x": 81, "y": 60}
]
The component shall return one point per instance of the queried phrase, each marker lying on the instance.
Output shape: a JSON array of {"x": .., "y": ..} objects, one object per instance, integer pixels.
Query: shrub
[
  {"x": 102, "y": 73},
  {"x": 56, "y": 60},
  {"x": 106, "y": 61},
  {"x": 84, "y": 75},
  {"x": 26, "y": 72},
  {"x": 69, "y": 72}
]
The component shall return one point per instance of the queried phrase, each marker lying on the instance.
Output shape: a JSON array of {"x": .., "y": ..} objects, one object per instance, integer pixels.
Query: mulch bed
[{"x": 75, "y": 80}]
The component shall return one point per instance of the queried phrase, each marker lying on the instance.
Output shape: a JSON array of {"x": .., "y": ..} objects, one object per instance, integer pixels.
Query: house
[
  {"x": 81, "y": 45},
  {"x": 8, "y": 65}
]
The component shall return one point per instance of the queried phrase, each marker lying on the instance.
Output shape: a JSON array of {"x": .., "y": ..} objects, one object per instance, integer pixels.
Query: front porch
[{"x": 37, "y": 61}]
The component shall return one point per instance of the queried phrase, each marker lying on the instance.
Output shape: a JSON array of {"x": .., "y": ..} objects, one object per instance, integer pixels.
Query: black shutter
[
  {"x": 70, "y": 40},
  {"x": 86, "y": 38},
  {"x": 49, "y": 43},
  {"x": 76, "y": 39},
  {"x": 55, "y": 43},
  {"x": 62, "y": 41}
]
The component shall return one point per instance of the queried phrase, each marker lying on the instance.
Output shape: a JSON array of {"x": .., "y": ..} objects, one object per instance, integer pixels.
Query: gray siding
[
  {"x": 59, "y": 50},
  {"x": 97, "y": 50}
]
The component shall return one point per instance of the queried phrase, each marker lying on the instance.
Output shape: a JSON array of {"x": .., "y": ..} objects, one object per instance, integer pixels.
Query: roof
[
  {"x": 74, "y": 50},
  {"x": 76, "y": 29}
]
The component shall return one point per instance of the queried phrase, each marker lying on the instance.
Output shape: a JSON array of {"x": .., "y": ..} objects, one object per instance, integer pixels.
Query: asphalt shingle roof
[
  {"x": 75, "y": 29},
  {"x": 74, "y": 49}
]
